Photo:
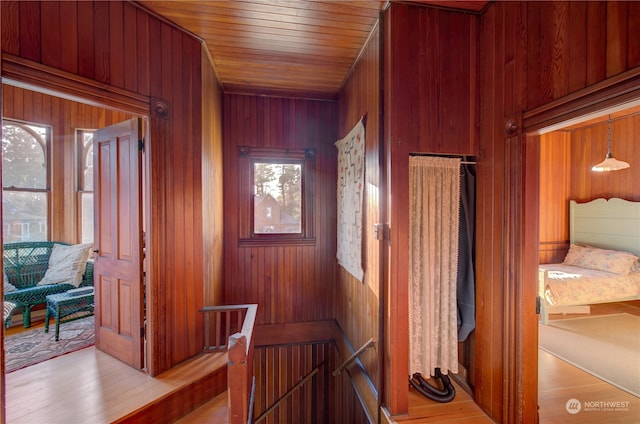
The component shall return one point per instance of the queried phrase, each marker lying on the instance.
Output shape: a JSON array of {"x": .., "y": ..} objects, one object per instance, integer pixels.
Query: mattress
[{"x": 572, "y": 285}]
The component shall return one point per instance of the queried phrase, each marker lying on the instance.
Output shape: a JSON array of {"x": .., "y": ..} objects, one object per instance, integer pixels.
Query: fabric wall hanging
[{"x": 350, "y": 197}]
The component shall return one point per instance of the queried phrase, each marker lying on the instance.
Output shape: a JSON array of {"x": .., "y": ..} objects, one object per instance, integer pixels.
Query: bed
[{"x": 602, "y": 264}]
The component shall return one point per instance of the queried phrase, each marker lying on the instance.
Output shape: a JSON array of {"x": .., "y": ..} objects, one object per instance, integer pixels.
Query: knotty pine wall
[
  {"x": 531, "y": 53},
  {"x": 566, "y": 158},
  {"x": 430, "y": 106},
  {"x": 290, "y": 283},
  {"x": 357, "y": 304},
  {"x": 121, "y": 45},
  {"x": 64, "y": 117}
]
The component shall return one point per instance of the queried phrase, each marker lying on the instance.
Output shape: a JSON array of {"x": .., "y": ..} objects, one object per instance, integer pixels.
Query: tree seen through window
[
  {"x": 277, "y": 197},
  {"x": 25, "y": 181}
]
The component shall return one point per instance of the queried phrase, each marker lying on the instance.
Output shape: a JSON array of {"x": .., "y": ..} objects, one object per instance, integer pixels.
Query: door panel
[{"x": 118, "y": 242}]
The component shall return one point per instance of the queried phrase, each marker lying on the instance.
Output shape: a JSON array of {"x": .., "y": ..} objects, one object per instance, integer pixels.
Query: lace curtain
[{"x": 434, "y": 190}]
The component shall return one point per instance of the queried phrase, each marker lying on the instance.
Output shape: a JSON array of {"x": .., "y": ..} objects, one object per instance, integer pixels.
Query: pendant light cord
[{"x": 609, "y": 138}]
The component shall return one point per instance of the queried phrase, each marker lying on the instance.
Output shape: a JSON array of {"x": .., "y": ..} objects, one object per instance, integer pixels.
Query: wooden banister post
[
  {"x": 237, "y": 379},
  {"x": 239, "y": 347}
]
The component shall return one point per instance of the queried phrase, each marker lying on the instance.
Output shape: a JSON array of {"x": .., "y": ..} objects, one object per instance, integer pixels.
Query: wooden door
[{"x": 118, "y": 242}]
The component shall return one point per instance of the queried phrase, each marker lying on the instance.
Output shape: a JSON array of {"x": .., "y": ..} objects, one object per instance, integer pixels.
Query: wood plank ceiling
[{"x": 283, "y": 47}]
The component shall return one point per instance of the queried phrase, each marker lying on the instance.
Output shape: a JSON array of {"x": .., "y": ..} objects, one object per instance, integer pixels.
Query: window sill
[{"x": 280, "y": 241}]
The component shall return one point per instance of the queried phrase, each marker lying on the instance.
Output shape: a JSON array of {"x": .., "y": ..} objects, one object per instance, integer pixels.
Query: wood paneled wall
[
  {"x": 589, "y": 147},
  {"x": 357, "y": 304},
  {"x": 531, "y": 54},
  {"x": 575, "y": 44},
  {"x": 430, "y": 106},
  {"x": 212, "y": 186},
  {"x": 346, "y": 407},
  {"x": 566, "y": 158},
  {"x": 64, "y": 117},
  {"x": 123, "y": 46},
  {"x": 290, "y": 283},
  {"x": 555, "y": 167},
  {"x": 278, "y": 369}
]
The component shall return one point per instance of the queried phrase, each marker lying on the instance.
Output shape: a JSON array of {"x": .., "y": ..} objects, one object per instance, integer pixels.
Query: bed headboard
[{"x": 608, "y": 224}]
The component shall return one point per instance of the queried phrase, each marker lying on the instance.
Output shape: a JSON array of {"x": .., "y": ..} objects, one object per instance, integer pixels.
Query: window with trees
[
  {"x": 277, "y": 197},
  {"x": 276, "y": 201},
  {"x": 26, "y": 181},
  {"x": 84, "y": 142}
]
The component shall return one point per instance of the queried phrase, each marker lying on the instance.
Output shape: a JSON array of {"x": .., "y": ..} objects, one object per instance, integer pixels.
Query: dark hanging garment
[{"x": 466, "y": 290}]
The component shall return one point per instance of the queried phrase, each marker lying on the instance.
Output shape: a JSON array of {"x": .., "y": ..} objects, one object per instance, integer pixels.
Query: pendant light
[{"x": 610, "y": 163}]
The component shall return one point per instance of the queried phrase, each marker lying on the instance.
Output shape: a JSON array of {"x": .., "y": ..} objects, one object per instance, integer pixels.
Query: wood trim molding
[
  {"x": 304, "y": 332},
  {"x": 612, "y": 92},
  {"x": 35, "y": 76}
]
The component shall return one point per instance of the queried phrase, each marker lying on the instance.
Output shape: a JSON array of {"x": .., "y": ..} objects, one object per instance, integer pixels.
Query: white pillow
[{"x": 67, "y": 264}]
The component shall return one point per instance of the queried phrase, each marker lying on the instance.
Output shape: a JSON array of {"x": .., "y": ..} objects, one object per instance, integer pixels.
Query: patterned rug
[{"x": 33, "y": 346}]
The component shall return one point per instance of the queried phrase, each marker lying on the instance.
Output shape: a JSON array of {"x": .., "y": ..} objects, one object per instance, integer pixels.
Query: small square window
[{"x": 277, "y": 203}]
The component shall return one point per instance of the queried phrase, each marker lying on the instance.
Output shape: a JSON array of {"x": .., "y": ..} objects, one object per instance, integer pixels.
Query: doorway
[
  {"x": 567, "y": 151},
  {"x": 68, "y": 156}
]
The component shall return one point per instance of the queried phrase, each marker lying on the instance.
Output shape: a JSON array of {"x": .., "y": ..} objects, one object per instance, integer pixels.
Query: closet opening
[{"x": 441, "y": 274}]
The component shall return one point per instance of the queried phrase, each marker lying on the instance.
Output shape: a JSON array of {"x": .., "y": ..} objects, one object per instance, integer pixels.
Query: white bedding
[{"x": 572, "y": 285}]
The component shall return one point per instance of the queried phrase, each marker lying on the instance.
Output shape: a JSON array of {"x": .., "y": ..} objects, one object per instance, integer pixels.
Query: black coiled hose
[{"x": 444, "y": 395}]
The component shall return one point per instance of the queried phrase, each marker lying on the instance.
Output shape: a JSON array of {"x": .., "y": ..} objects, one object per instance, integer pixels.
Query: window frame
[
  {"x": 47, "y": 149},
  {"x": 247, "y": 158},
  {"x": 80, "y": 187}
]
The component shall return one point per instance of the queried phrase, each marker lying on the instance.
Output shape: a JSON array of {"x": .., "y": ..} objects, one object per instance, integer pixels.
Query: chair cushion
[{"x": 67, "y": 264}]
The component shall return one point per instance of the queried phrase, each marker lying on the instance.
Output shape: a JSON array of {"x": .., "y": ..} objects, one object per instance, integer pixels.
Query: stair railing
[
  {"x": 286, "y": 395},
  {"x": 368, "y": 344},
  {"x": 233, "y": 332}
]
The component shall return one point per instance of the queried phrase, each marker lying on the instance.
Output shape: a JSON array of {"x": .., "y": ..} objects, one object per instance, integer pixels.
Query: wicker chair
[{"x": 25, "y": 264}]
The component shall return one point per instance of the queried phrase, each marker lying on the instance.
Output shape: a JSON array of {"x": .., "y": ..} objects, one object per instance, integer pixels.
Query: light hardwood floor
[
  {"x": 91, "y": 387},
  {"x": 109, "y": 389},
  {"x": 559, "y": 381}
]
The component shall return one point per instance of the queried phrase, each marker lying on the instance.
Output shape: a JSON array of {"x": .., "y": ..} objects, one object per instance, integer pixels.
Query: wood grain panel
[
  {"x": 346, "y": 404},
  {"x": 358, "y": 304},
  {"x": 566, "y": 158},
  {"x": 491, "y": 180},
  {"x": 421, "y": 116},
  {"x": 99, "y": 42},
  {"x": 279, "y": 368},
  {"x": 212, "y": 186},
  {"x": 296, "y": 48},
  {"x": 555, "y": 169},
  {"x": 290, "y": 283},
  {"x": 106, "y": 182},
  {"x": 589, "y": 146},
  {"x": 572, "y": 45}
]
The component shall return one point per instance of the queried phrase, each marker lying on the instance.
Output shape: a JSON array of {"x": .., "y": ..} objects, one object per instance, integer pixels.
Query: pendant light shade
[{"x": 610, "y": 163}]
